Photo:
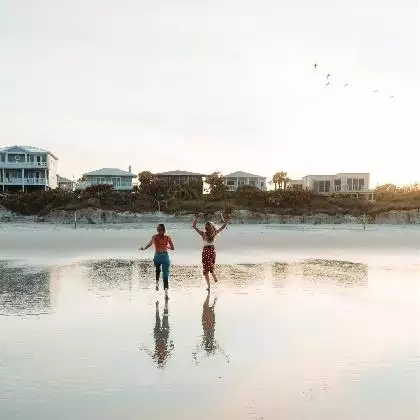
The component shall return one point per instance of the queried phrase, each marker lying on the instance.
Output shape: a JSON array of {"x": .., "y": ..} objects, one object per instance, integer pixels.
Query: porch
[
  {"x": 119, "y": 183},
  {"x": 24, "y": 181},
  {"x": 23, "y": 164},
  {"x": 232, "y": 184},
  {"x": 23, "y": 178}
]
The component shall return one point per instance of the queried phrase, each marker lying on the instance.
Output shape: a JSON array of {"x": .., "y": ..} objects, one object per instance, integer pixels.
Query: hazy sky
[{"x": 219, "y": 85}]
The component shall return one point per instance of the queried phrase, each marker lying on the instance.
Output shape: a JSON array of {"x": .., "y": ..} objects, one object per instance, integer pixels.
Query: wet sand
[{"x": 281, "y": 335}]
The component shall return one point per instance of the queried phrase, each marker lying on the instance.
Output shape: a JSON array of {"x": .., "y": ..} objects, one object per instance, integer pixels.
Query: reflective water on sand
[{"x": 311, "y": 339}]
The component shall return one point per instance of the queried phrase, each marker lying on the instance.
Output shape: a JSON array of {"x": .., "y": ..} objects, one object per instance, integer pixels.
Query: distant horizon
[{"x": 75, "y": 177}]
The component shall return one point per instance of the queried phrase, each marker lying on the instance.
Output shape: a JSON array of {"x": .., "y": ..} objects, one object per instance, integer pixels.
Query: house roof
[
  {"x": 109, "y": 172},
  {"x": 179, "y": 173},
  {"x": 321, "y": 175},
  {"x": 62, "y": 179},
  {"x": 240, "y": 174},
  {"x": 26, "y": 149},
  {"x": 340, "y": 173}
]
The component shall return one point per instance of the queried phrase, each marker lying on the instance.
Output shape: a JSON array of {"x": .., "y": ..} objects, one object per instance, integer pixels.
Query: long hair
[
  {"x": 211, "y": 231},
  {"x": 161, "y": 228}
]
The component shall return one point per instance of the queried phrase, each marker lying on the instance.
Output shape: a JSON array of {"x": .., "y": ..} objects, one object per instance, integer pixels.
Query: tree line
[
  {"x": 391, "y": 192},
  {"x": 149, "y": 184},
  {"x": 152, "y": 193}
]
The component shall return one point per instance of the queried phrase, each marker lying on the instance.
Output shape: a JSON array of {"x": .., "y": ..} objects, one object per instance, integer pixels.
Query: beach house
[
  {"x": 119, "y": 179},
  {"x": 178, "y": 177},
  {"x": 239, "y": 178},
  {"x": 355, "y": 184},
  {"x": 27, "y": 168},
  {"x": 64, "y": 183}
]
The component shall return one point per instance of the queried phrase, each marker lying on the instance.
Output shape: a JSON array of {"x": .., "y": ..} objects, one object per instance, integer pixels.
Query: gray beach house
[{"x": 119, "y": 179}]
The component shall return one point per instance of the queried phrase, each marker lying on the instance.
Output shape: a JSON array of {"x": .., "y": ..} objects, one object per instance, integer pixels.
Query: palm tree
[
  {"x": 286, "y": 180},
  {"x": 280, "y": 180}
]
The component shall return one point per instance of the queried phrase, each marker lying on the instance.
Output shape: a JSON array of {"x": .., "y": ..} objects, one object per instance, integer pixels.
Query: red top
[{"x": 162, "y": 243}]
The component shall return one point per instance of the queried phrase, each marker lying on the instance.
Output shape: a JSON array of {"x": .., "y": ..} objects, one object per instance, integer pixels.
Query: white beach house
[
  {"x": 239, "y": 178},
  {"x": 119, "y": 179},
  {"x": 353, "y": 184},
  {"x": 27, "y": 168}
]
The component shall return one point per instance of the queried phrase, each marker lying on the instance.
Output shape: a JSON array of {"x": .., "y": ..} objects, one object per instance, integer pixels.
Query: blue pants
[{"x": 162, "y": 263}]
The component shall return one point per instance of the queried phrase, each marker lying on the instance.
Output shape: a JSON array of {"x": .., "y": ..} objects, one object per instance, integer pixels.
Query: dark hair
[
  {"x": 162, "y": 227},
  {"x": 210, "y": 231}
]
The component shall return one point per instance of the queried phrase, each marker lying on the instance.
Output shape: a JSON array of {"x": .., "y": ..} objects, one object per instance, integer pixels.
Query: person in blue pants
[{"x": 162, "y": 243}]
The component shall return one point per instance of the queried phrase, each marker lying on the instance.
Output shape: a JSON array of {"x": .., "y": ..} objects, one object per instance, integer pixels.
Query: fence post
[{"x": 75, "y": 220}]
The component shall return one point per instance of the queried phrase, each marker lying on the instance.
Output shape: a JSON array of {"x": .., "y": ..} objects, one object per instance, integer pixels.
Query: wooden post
[
  {"x": 75, "y": 220},
  {"x": 364, "y": 221}
]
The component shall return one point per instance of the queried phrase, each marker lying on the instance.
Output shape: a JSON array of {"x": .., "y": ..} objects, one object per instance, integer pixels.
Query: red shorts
[{"x": 208, "y": 258}]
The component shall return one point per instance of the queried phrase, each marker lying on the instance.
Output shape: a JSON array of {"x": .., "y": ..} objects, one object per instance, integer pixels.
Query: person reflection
[
  {"x": 208, "y": 321},
  {"x": 163, "y": 346}
]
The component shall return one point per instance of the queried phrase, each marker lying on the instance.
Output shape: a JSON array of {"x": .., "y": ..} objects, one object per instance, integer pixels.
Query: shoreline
[{"x": 94, "y": 216}]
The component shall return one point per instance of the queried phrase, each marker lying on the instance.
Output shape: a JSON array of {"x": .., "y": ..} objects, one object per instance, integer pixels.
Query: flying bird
[
  {"x": 315, "y": 66},
  {"x": 346, "y": 85},
  {"x": 376, "y": 90},
  {"x": 326, "y": 84},
  {"x": 328, "y": 75},
  {"x": 391, "y": 97}
]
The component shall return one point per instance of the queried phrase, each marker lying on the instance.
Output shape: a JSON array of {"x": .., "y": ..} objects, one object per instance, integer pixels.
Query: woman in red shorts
[{"x": 208, "y": 257}]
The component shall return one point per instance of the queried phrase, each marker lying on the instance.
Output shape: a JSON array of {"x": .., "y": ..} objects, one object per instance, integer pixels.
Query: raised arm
[
  {"x": 170, "y": 244},
  {"x": 194, "y": 226},
  {"x": 222, "y": 227},
  {"x": 149, "y": 244}
]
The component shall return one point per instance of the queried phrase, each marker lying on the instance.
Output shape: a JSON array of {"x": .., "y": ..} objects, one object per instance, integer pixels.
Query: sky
[{"x": 221, "y": 85}]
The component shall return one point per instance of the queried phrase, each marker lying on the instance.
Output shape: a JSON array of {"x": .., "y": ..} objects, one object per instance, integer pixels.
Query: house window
[
  {"x": 116, "y": 182},
  {"x": 230, "y": 182},
  {"x": 337, "y": 184},
  {"x": 322, "y": 186},
  {"x": 355, "y": 184},
  {"x": 100, "y": 180},
  {"x": 241, "y": 182},
  {"x": 327, "y": 186}
]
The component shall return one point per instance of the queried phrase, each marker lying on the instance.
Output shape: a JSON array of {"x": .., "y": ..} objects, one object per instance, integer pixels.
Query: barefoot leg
[{"x": 206, "y": 276}]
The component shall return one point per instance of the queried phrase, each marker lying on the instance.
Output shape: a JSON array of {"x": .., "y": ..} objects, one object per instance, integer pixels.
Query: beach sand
[{"x": 305, "y": 323}]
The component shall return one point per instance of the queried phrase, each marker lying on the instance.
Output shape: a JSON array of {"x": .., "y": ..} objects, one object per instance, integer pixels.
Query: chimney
[{"x": 129, "y": 169}]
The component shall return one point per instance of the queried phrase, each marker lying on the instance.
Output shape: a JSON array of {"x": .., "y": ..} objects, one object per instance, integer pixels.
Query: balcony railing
[
  {"x": 22, "y": 165},
  {"x": 348, "y": 188},
  {"x": 344, "y": 189},
  {"x": 235, "y": 187},
  {"x": 24, "y": 181},
  {"x": 114, "y": 184}
]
